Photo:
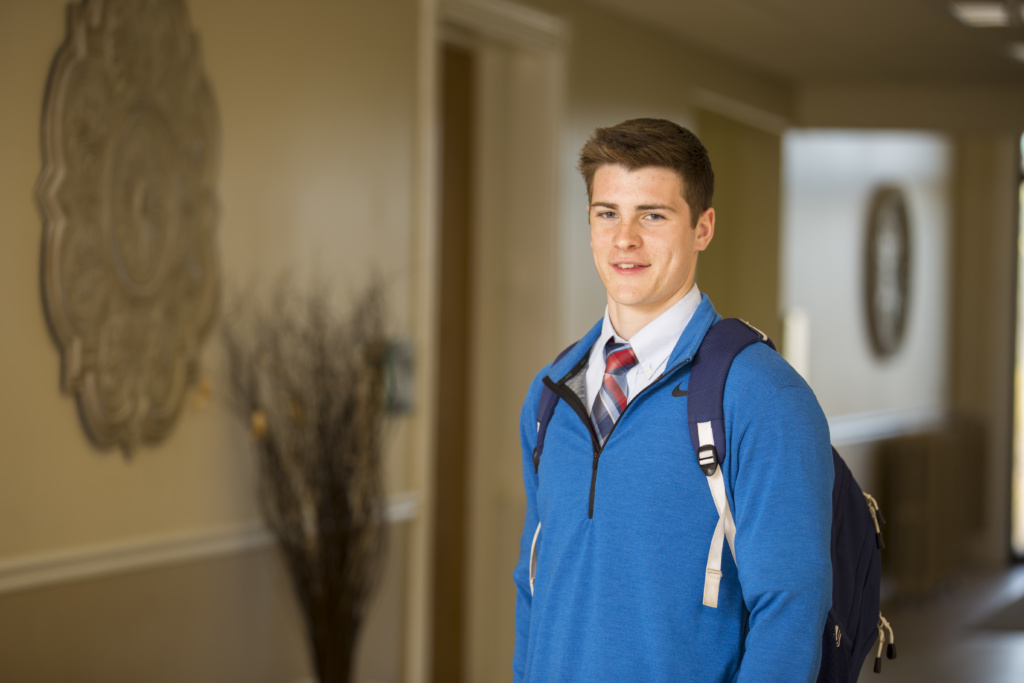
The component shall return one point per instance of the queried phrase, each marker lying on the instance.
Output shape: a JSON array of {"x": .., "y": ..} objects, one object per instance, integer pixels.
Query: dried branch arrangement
[{"x": 310, "y": 386}]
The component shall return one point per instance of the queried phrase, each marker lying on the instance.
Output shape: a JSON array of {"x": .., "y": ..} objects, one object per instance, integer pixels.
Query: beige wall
[
  {"x": 984, "y": 244},
  {"x": 976, "y": 108},
  {"x": 317, "y": 113},
  {"x": 316, "y": 175},
  {"x": 746, "y": 245}
]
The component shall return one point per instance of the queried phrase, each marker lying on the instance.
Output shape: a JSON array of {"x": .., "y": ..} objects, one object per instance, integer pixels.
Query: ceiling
[{"x": 809, "y": 42}]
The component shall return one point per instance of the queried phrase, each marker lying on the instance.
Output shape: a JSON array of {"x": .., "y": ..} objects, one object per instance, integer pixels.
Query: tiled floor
[{"x": 939, "y": 641}]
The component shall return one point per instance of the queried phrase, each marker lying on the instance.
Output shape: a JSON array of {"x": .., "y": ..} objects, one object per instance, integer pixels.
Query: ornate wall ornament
[
  {"x": 887, "y": 270},
  {"x": 130, "y": 272}
]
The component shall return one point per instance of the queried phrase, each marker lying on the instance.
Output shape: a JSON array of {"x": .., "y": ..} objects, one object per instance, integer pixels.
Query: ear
[{"x": 705, "y": 229}]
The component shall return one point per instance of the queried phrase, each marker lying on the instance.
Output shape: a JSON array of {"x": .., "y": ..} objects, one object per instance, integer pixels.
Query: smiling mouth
[{"x": 628, "y": 266}]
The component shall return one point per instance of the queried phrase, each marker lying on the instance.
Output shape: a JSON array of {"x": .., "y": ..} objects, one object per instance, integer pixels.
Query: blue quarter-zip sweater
[{"x": 625, "y": 531}]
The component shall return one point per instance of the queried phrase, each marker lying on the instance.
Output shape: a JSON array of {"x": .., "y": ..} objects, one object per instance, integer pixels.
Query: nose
[{"x": 628, "y": 234}]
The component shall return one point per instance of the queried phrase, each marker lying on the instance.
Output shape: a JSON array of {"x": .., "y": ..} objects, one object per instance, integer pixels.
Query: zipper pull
[
  {"x": 877, "y": 518},
  {"x": 884, "y": 634}
]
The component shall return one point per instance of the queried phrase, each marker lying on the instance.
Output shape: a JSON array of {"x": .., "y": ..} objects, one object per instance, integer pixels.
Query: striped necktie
[{"x": 611, "y": 400}]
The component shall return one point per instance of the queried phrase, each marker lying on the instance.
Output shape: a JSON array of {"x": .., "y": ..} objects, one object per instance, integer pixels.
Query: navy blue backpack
[{"x": 854, "y": 623}]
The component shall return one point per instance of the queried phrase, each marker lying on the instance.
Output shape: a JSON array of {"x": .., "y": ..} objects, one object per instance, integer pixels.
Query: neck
[{"x": 628, "y": 320}]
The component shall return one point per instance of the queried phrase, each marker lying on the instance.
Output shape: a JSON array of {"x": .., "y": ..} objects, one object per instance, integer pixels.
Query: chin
[{"x": 630, "y": 301}]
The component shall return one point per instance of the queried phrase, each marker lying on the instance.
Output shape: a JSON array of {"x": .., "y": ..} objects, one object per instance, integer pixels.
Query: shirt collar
[{"x": 653, "y": 344}]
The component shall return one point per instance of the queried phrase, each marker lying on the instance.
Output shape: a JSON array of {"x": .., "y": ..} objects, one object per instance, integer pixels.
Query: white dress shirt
[{"x": 652, "y": 345}]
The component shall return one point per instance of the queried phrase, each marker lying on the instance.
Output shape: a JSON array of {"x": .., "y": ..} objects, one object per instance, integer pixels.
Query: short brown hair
[{"x": 653, "y": 142}]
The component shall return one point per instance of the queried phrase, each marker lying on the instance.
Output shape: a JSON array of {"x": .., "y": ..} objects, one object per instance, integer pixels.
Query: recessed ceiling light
[{"x": 981, "y": 14}]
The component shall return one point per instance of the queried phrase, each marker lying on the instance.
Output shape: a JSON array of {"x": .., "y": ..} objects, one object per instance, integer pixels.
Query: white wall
[{"x": 828, "y": 179}]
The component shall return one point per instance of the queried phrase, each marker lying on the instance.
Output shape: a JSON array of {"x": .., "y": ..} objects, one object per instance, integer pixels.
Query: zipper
[{"x": 572, "y": 399}]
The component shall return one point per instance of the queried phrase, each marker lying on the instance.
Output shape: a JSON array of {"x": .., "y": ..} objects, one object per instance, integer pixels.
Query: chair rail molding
[{"x": 107, "y": 559}]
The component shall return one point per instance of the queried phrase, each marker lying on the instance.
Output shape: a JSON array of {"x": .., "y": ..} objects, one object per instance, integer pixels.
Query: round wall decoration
[
  {"x": 887, "y": 260},
  {"x": 129, "y": 266}
]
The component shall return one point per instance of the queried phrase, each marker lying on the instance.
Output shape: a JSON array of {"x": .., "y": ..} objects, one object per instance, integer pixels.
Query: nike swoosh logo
[{"x": 677, "y": 392}]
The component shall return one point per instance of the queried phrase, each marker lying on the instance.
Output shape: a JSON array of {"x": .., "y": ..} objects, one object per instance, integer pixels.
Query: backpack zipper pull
[
  {"x": 890, "y": 651},
  {"x": 876, "y": 517},
  {"x": 884, "y": 634}
]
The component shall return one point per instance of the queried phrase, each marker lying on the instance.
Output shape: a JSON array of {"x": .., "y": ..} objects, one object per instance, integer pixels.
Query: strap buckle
[{"x": 707, "y": 458}]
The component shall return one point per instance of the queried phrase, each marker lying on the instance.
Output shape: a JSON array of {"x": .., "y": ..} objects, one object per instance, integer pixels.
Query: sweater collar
[{"x": 689, "y": 341}]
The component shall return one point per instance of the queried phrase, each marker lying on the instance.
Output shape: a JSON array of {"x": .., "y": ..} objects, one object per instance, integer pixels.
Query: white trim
[
  {"x": 875, "y": 426},
  {"x": 506, "y": 21},
  {"x": 89, "y": 562},
  {"x": 423, "y": 321},
  {"x": 519, "y": 55}
]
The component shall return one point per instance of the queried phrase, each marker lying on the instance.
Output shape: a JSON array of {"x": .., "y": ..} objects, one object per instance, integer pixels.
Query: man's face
[{"x": 644, "y": 245}]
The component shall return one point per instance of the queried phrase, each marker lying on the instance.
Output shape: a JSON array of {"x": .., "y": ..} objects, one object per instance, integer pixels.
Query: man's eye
[
  {"x": 655, "y": 217},
  {"x": 606, "y": 214}
]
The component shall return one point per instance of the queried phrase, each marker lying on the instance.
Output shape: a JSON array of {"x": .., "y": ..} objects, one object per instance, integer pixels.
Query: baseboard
[{"x": 88, "y": 562}]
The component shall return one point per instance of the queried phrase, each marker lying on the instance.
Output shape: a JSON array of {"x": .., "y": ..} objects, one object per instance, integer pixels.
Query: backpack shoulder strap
[
  {"x": 706, "y": 422},
  {"x": 722, "y": 343},
  {"x": 545, "y": 409}
]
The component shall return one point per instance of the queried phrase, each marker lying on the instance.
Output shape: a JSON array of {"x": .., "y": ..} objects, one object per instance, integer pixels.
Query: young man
[{"x": 619, "y": 516}]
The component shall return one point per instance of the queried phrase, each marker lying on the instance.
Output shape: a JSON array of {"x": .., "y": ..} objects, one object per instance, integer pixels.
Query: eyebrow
[{"x": 639, "y": 207}]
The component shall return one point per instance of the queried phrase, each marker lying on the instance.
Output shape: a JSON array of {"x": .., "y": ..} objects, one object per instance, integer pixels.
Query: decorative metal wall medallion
[
  {"x": 129, "y": 265},
  {"x": 887, "y": 270}
]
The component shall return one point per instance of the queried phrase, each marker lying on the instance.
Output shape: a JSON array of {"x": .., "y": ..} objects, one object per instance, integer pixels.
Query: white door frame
[{"x": 520, "y": 56}]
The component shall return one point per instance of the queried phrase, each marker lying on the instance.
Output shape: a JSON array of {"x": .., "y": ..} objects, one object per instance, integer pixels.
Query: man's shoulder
[
  {"x": 765, "y": 397},
  {"x": 761, "y": 372}
]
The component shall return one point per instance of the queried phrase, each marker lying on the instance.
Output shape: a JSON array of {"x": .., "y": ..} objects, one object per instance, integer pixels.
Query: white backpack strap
[
  {"x": 725, "y": 530},
  {"x": 533, "y": 557}
]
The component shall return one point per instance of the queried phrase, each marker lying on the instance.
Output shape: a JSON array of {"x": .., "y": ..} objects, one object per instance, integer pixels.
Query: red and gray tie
[{"x": 611, "y": 400}]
